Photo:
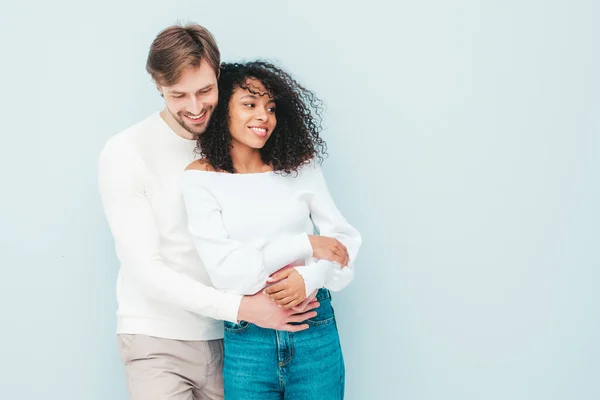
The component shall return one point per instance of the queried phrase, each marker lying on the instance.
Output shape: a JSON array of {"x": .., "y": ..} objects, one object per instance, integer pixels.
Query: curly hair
[{"x": 295, "y": 139}]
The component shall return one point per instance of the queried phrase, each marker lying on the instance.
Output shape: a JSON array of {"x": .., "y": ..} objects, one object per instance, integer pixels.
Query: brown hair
[{"x": 179, "y": 47}]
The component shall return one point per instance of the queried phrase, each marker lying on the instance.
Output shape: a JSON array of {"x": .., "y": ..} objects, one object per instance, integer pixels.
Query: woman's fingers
[
  {"x": 293, "y": 303},
  {"x": 282, "y": 294},
  {"x": 289, "y": 302}
]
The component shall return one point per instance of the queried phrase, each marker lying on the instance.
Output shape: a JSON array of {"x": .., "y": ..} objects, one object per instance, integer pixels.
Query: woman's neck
[{"x": 247, "y": 160}]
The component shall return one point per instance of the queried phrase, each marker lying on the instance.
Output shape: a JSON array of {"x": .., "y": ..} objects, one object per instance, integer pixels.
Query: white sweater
[
  {"x": 247, "y": 226},
  {"x": 163, "y": 289}
]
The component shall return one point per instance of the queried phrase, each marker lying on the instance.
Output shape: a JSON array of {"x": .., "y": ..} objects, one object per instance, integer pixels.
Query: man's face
[{"x": 191, "y": 101}]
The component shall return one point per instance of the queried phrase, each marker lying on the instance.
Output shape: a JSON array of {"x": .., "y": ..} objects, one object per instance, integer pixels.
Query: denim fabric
[{"x": 265, "y": 364}]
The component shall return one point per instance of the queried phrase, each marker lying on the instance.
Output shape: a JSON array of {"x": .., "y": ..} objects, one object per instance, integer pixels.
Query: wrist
[
  {"x": 301, "y": 283},
  {"x": 312, "y": 239},
  {"x": 313, "y": 278},
  {"x": 244, "y": 313}
]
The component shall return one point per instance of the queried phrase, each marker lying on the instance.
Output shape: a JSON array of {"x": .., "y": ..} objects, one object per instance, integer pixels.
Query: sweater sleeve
[
  {"x": 234, "y": 266},
  {"x": 330, "y": 222},
  {"x": 133, "y": 226}
]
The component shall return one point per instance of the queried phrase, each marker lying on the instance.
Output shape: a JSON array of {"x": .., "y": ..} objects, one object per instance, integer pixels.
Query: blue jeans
[{"x": 265, "y": 364}]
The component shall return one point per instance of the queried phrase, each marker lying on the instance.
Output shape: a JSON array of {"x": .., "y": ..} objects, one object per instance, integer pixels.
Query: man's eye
[{"x": 177, "y": 96}]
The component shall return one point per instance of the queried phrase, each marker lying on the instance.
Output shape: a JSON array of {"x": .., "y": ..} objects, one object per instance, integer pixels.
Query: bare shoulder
[{"x": 200, "y": 165}]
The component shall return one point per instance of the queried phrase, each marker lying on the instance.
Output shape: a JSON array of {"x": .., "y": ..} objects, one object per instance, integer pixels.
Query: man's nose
[{"x": 195, "y": 106}]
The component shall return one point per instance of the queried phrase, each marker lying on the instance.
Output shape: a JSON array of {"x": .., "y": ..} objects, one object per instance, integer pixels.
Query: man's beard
[{"x": 197, "y": 129}]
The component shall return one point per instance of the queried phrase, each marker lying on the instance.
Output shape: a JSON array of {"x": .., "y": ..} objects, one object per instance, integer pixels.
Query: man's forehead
[
  {"x": 194, "y": 79},
  {"x": 182, "y": 89}
]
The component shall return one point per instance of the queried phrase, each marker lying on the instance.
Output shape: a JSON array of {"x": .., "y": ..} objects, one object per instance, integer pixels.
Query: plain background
[{"x": 464, "y": 145}]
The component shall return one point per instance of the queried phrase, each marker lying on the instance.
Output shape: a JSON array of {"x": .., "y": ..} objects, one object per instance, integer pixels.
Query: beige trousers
[{"x": 166, "y": 369}]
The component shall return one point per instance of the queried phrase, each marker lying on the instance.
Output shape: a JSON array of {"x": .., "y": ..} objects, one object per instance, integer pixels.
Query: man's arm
[
  {"x": 134, "y": 229},
  {"x": 133, "y": 226}
]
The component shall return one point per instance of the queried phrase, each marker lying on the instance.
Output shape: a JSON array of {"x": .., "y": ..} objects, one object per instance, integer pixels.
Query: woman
[{"x": 253, "y": 202}]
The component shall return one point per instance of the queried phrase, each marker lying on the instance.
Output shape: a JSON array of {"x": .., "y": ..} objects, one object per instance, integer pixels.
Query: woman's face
[{"x": 251, "y": 116}]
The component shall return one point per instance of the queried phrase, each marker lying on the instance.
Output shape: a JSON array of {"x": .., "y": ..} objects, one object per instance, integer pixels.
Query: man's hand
[
  {"x": 289, "y": 291},
  {"x": 260, "y": 310}
]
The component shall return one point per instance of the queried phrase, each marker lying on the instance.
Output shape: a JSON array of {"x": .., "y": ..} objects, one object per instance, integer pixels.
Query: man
[{"x": 170, "y": 336}]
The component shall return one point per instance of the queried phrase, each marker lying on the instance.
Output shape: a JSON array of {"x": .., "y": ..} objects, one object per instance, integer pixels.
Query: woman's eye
[
  {"x": 271, "y": 109},
  {"x": 249, "y": 105}
]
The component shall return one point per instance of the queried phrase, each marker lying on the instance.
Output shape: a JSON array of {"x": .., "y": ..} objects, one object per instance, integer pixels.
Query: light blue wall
[{"x": 464, "y": 144}]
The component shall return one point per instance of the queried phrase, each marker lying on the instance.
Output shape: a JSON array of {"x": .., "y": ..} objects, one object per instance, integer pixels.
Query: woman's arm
[
  {"x": 233, "y": 266},
  {"x": 331, "y": 223}
]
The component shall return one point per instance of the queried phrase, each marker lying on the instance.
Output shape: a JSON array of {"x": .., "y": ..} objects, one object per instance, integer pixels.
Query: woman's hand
[
  {"x": 329, "y": 249},
  {"x": 289, "y": 291},
  {"x": 302, "y": 306}
]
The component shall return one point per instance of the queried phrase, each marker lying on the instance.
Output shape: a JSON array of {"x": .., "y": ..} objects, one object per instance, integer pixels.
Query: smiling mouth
[
  {"x": 259, "y": 130},
  {"x": 196, "y": 118}
]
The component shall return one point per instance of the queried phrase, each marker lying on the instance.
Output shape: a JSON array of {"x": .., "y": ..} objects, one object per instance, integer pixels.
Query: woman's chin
[{"x": 257, "y": 144}]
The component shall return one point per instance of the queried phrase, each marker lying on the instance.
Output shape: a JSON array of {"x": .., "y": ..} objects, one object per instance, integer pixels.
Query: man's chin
[{"x": 194, "y": 130}]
